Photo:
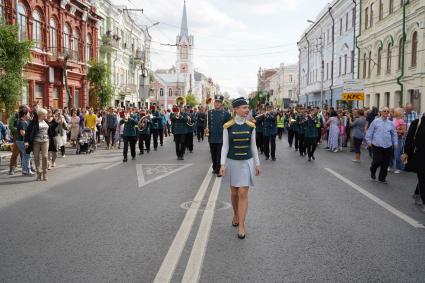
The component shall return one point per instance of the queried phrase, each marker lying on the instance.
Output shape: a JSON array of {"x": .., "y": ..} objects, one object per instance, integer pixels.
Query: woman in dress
[
  {"x": 333, "y": 138},
  {"x": 400, "y": 126},
  {"x": 239, "y": 161},
  {"x": 75, "y": 127}
]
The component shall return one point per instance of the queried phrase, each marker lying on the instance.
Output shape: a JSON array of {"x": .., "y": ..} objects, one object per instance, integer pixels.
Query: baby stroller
[{"x": 86, "y": 143}]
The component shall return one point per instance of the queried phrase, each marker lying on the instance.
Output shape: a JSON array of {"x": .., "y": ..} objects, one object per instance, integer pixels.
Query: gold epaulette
[
  {"x": 249, "y": 123},
  {"x": 229, "y": 124}
]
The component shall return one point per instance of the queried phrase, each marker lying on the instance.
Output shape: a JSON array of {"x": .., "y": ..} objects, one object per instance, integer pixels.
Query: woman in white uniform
[{"x": 239, "y": 161}]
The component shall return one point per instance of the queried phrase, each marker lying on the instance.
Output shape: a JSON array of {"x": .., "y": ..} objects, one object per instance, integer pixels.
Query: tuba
[
  {"x": 180, "y": 101},
  {"x": 143, "y": 123}
]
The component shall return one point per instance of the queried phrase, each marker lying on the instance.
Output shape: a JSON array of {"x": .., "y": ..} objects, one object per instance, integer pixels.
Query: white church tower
[{"x": 185, "y": 56}]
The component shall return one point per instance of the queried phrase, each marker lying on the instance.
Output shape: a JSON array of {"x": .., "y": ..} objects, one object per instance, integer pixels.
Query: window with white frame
[
  {"x": 36, "y": 29},
  {"x": 66, "y": 37},
  {"x": 53, "y": 36},
  {"x": 22, "y": 22}
]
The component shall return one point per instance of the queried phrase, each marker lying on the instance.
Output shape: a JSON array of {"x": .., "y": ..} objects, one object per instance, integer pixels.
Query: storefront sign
[{"x": 353, "y": 90}]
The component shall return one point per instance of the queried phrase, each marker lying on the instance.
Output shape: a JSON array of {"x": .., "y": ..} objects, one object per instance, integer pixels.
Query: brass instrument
[
  {"x": 189, "y": 121},
  {"x": 143, "y": 123},
  {"x": 207, "y": 103},
  {"x": 180, "y": 101}
]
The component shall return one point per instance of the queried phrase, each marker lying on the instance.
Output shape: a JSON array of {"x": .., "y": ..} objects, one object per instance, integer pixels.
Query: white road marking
[
  {"x": 140, "y": 175},
  {"x": 112, "y": 165},
  {"x": 141, "y": 178},
  {"x": 170, "y": 261},
  {"x": 196, "y": 259},
  {"x": 380, "y": 202}
]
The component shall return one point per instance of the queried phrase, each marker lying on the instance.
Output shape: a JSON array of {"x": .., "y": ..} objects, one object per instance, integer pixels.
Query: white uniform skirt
[{"x": 240, "y": 173}]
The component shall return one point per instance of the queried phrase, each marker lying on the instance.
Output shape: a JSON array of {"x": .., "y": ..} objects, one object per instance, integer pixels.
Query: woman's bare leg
[
  {"x": 242, "y": 208},
  {"x": 234, "y": 195}
]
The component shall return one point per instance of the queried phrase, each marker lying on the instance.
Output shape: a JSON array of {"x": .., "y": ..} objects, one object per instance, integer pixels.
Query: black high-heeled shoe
[
  {"x": 241, "y": 236},
  {"x": 235, "y": 224}
]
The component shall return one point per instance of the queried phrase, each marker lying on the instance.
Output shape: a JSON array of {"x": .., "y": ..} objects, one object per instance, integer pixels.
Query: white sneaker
[
  {"x": 53, "y": 164},
  {"x": 336, "y": 150},
  {"x": 397, "y": 172}
]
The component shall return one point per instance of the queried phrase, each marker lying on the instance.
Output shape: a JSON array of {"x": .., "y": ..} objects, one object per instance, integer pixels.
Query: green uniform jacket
[
  {"x": 310, "y": 129},
  {"x": 216, "y": 121},
  {"x": 179, "y": 125},
  {"x": 130, "y": 128},
  {"x": 269, "y": 125}
]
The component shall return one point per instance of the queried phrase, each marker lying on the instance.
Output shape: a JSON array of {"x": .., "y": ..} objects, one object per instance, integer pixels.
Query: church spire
[{"x": 183, "y": 29}]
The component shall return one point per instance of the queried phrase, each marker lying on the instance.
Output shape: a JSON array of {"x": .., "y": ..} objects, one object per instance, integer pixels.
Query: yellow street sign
[{"x": 353, "y": 96}]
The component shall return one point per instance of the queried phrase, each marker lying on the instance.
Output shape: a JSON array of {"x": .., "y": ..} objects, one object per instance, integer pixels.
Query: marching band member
[
  {"x": 269, "y": 132},
  {"x": 259, "y": 130},
  {"x": 155, "y": 126},
  {"x": 200, "y": 123},
  {"x": 190, "y": 116},
  {"x": 129, "y": 135},
  {"x": 217, "y": 117},
  {"x": 178, "y": 122},
  {"x": 310, "y": 134},
  {"x": 144, "y": 132},
  {"x": 239, "y": 161}
]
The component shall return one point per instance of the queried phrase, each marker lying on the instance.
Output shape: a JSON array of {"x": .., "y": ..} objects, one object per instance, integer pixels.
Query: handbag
[{"x": 58, "y": 141}]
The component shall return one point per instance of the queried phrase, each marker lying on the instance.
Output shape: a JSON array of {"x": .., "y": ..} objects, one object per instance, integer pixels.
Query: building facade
[
  {"x": 64, "y": 34},
  {"x": 327, "y": 54},
  {"x": 393, "y": 66},
  {"x": 124, "y": 48},
  {"x": 283, "y": 85}
]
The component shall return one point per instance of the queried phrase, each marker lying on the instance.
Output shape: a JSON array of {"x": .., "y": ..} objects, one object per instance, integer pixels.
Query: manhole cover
[{"x": 204, "y": 205}]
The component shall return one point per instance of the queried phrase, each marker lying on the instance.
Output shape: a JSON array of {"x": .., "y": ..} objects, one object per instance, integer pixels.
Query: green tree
[
  {"x": 14, "y": 55},
  {"x": 191, "y": 100},
  {"x": 100, "y": 89}
]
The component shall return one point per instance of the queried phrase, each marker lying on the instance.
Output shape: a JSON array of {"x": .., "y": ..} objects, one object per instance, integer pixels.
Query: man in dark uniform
[
  {"x": 201, "y": 118},
  {"x": 259, "y": 130},
  {"x": 178, "y": 123},
  {"x": 145, "y": 133},
  {"x": 156, "y": 120},
  {"x": 269, "y": 132},
  {"x": 216, "y": 119},
  {"x": 190, "y": 116}
]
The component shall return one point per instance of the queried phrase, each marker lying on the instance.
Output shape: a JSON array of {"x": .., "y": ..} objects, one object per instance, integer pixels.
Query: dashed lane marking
[{"x": 380, "y": 202}]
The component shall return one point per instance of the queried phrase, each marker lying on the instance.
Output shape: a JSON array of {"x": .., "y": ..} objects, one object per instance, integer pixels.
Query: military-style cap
[
  {"x": 239, "y": 102},
  {"x": 219, "y": 98}
]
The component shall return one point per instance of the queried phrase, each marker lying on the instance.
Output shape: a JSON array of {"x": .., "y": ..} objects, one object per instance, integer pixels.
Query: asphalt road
[{"x": 99, "y": 220}]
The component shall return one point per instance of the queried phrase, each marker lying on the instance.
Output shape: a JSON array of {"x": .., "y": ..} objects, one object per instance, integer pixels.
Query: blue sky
[{"x": 233, "y": 38}]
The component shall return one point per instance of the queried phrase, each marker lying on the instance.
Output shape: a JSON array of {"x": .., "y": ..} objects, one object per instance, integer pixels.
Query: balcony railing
[{"x": 65, "y": 53}]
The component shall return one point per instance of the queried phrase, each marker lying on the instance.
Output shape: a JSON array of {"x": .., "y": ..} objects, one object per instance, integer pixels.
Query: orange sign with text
[{"x": 353, "y": 96}]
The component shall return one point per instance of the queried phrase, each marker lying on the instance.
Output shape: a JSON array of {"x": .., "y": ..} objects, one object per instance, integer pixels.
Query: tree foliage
[
  {"x": 100, "y": 88},
  {"x": 14, "y": 55},
  {"x": 191, "y": 100}
]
